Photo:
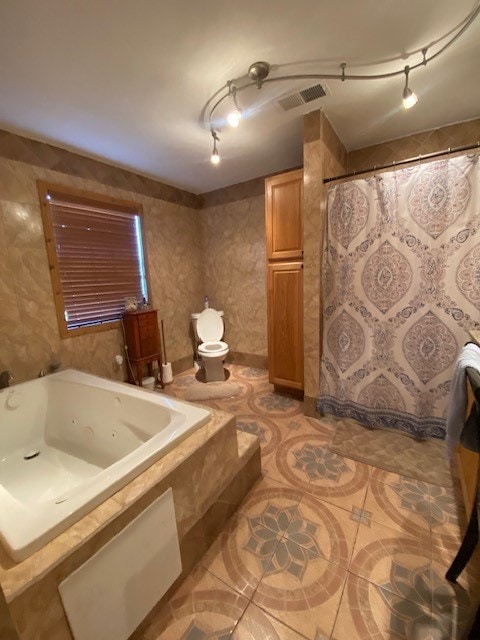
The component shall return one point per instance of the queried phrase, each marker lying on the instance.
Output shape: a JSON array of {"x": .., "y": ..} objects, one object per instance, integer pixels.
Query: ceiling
[{"x": 126, "y": 81}]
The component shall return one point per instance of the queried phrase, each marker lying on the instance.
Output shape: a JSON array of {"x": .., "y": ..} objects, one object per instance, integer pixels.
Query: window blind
[{"x": 100, "y": 259}]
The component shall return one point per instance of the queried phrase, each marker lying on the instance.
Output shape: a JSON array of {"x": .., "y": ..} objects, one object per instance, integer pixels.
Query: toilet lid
[{"x": 209, "y": 326}]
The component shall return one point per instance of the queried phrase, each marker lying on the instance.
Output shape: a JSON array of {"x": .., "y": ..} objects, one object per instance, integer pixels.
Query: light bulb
[
  {"x": 215, "y": 159},
  {"x": 409, "y": 98},
  {"x": 234, "y": 118}
]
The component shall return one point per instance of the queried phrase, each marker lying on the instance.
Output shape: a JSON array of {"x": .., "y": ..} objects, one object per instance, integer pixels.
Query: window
[{"x": 96, "y": 256}]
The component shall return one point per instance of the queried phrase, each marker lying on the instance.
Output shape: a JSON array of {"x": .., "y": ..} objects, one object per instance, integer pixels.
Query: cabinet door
[
  {"x": 285, "y": 324},
  {"x": 284, "y": 216}
]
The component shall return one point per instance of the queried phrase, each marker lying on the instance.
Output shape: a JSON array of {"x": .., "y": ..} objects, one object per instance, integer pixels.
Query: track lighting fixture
[
  {"x": 215, "y": 158},
  {"x": 409, "y": 97},
  {"x": 258, "y": 75}
]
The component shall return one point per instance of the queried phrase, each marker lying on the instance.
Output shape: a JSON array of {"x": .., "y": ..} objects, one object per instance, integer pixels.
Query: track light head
[
  {"x": 235, "y": 115},
  {"x": 410, "y": 99},
  {"x": 215, "y": 157}
]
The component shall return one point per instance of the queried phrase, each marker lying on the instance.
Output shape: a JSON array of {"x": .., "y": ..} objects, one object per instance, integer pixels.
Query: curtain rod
[{"x": 400, "y": 162}]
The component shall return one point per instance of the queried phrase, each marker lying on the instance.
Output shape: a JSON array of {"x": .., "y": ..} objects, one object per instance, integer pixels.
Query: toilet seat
[{"x": 213, "y": 348}]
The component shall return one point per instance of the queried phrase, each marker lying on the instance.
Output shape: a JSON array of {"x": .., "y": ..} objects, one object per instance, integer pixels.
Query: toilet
[{"x": 209, "y": 329}]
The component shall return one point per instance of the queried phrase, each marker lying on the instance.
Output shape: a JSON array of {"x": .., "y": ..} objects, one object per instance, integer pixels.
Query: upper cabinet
[{"x": 284, "y": 219}]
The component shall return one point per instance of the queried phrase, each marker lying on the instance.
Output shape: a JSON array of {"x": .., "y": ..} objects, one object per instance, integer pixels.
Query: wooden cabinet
[
  {"x": 468, "y": 462},
  {"x": 143, "y": 344},
  {"x": 285, "y": 327},
  {"x": 284, "y": 216},
  {"x": 284, "y": 231}
]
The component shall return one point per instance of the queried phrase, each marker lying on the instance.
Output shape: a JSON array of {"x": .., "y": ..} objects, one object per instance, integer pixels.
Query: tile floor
[{"x": 323, "y": 547}]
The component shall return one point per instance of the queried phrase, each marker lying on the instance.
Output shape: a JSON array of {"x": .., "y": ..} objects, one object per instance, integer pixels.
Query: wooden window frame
[{"x": 86, "y": 197}]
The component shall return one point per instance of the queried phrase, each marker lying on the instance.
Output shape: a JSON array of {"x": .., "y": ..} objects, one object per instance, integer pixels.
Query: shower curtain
[{"x": 401, "y": 290}]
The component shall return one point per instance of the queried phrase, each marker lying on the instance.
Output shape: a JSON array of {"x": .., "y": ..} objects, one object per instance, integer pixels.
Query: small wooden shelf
[{"x": 143, "y": 344}]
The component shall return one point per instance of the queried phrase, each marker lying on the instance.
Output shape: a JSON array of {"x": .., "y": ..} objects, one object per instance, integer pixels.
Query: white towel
[{"x": 469, "y": 357}]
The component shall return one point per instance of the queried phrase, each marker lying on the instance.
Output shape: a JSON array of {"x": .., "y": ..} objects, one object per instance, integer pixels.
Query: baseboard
[
  {"x": 179, "y": 366},
  {"x": 248, "y": 359},
  {"x": 234, "y": 357}
]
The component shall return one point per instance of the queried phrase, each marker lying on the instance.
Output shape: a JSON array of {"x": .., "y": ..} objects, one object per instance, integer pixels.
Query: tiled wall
[
  {"x": 463, "y": 133},
  {"x": 219, "y": 250},
  {"x": 324, "y": 155},
  {"x": 29, "y": 338},
  {"x": 40, "y": 154},
  {"x": 233, "y": 243}
]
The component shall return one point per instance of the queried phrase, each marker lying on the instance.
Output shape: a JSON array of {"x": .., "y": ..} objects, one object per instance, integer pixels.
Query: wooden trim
[
  {"x": 94, "y": 328},
  {"x": 89, "y": 197},
  {"x": 52, "y": 258},
  {"x": 44, "y": 188}
]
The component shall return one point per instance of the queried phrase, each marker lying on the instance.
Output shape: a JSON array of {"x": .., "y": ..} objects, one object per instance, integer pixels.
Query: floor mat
[
  {"x": 212, "y": 391},
  {"x": 393, "y": 451}
]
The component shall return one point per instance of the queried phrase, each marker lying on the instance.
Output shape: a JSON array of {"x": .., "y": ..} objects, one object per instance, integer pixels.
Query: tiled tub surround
[
  {"x": 70, "y": 440},
  {"x": 323, "y": 547},
  {"x": 209, "y": 473}
]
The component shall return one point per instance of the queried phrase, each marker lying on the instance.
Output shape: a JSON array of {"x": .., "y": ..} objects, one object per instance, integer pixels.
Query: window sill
[{"x": 95, "y": 328}]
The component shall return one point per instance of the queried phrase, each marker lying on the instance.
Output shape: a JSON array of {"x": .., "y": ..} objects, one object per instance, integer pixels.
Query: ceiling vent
[{"x": 302, "y": 97}]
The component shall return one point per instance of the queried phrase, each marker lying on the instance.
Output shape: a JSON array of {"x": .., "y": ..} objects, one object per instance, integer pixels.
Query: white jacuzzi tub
[{"x": 70, "y": 440}]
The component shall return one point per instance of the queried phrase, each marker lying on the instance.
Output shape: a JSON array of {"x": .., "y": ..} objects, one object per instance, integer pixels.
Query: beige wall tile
[
  {"x": 29, "y": 337},
  {"x": 218, "y": 251},
  {"x": 234, "y": 271},
  {"x": 323, "y": 155},
  {"x": 463, "y": 133}
]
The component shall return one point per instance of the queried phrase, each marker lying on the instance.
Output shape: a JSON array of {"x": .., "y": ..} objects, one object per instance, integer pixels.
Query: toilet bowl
[{"x": 209, "y": 328}]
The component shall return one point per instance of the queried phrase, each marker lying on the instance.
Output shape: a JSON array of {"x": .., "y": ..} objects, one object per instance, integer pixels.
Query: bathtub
[{"x": 70, "y": 440}]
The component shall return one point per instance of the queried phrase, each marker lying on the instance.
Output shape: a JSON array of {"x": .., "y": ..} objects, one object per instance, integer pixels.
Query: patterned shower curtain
[{"x": 401, "y": 291}]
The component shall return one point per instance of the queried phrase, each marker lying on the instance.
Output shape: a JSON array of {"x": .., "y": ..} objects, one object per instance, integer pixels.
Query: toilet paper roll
[{"x": 167, "y": 374}]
